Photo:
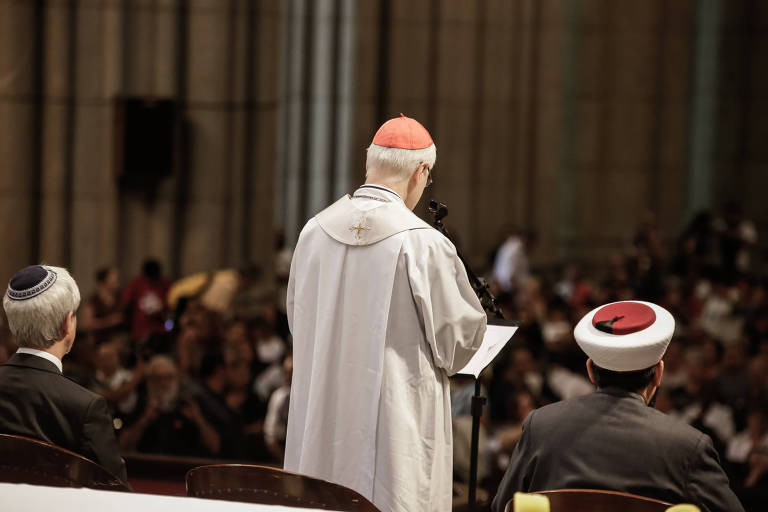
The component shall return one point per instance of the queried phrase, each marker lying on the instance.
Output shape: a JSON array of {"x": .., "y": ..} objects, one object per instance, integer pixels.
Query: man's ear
[
  {"x": 658, "y": 373},
  {"x": 415, "y": 175},
  {"x": 591, "y": 371},
  {"x": 68, "y": 325}
]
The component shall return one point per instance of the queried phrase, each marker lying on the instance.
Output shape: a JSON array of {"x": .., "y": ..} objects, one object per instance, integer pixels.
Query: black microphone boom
[{"x": 487, "y": 299}]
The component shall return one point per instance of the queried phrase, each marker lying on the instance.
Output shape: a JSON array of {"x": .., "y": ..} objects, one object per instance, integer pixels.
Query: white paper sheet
[{"x": 496, "y": 336}]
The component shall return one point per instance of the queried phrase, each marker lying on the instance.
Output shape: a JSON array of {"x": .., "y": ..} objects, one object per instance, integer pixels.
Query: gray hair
[
  {"x": 37, "y": 322},
  {"x": 160, "y": 360},
  {"x": 398, "y": 163}
]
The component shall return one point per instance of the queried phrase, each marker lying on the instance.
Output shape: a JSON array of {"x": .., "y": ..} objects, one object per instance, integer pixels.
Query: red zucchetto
[{"x": 403, "y": 133}]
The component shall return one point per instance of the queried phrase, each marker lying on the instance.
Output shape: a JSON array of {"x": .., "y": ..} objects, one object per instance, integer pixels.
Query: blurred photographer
[{"x": 168, "y": 420}]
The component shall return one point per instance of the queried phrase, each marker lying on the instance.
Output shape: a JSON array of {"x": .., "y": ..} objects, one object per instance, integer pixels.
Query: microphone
[{"x": 438, "y": 210}]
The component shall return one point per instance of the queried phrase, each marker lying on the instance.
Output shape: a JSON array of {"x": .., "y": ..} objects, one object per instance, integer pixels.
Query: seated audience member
[
  {"x": 611, "y": 439},
  {"x": 36, "y": 400},
  {"x": 269, "y": 347},
  {"x": 733, "y": 381},
  {"x": 507, "y": 436},
  {"x": 102, "y": 315},
  {"x": 115, "y": 383},
  {"x": 753, "y": 438},
  {"x": 247, "y": 409},
  {"x": 211, "y": 391},
  {"x": 144, "y": 299},
  {"x": 167, "y": 419},
  {"x": 276, "y": 422},
  {"x": 708, "y": 414}
]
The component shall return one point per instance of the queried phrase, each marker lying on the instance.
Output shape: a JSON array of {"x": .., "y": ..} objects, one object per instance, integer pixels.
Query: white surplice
[{"x": 381, "y": 312}]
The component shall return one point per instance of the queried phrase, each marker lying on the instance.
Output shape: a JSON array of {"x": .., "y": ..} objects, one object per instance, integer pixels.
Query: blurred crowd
[
  {"x": 202, "y": 366},
  {"x": 716, "y": 368},
  {"x": 199, "y": 367}
]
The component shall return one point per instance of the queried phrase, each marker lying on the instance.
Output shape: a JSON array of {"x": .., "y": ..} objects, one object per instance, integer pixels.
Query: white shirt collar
[
  {"x": 42, "y": 353},
  {"x": 378, "y": 192}
]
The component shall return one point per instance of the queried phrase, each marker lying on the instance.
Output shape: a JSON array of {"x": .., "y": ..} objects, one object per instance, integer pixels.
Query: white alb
[{"x": 381, "y": 312}]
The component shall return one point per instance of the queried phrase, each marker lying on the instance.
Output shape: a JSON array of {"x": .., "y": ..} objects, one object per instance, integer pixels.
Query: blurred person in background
[
  {"x": 276, "y": 421},
  {"x": 753, "y": 438},
  {"x": 269, "y": 351},
  {"x": 573, "y": 288},
  {"x": 247, "y": 409},
  {"x": 144, "y": 300},
  {"x": 737, "y": 237},
  {"x": 167, "y": 418},
  {"x": 720, "y": 316},
  {"x": 115, "y": 383},
  {"x": 747, "y": 455},
  {"x": 210, "y": 393},
  {"x": 675, "y": 367},
  {"x": 507, "y": 435},
  {"x": 555, "y": 327},
  {"x": 102, "y": 314},
  {"x": 732, "y": 383},
  {"x": 283, "y": 257},
  {"x": 511, "y": 267},
  {"x": 697, "y": 248}
]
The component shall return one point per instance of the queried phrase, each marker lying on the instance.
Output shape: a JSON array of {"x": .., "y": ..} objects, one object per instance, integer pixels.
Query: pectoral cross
[{"x": 359, "y": 228}]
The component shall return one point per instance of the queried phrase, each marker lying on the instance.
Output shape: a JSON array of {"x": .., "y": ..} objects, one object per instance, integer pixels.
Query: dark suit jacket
[
  {"x": 37, "y": 401},
  {"x": 611, "y": 440}
]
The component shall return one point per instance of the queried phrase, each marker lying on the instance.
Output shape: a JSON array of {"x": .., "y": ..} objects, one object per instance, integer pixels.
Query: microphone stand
[{"x": 489, "y": 303}]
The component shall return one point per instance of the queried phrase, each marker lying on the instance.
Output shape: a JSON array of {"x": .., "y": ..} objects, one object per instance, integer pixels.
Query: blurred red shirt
[{"x": 145, "y": 302}]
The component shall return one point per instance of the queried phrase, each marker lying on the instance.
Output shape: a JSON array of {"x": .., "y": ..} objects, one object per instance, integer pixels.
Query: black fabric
[
  {"x": 607, "y": 325},
  {"x": 28, "y": 277},
  {"x": 611, "y": 440},
  {"x": 37, "y": 401}
]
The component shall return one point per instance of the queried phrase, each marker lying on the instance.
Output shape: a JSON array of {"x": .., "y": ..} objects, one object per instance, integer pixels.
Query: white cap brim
[{"x": 626, "y": 352}]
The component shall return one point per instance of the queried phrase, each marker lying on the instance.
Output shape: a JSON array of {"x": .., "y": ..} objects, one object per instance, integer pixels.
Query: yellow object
[
  {"x": 188, "y": 286},
  {"x": 684, "y": 508},
  {"x": 536, "y": 503}
]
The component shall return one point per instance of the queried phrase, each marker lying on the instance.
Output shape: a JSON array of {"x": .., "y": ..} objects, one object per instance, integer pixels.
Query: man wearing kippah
[
  {"x": 613, "y": 438},
  {"x": 36, "y": 399},
  {"x": 381, "y": 312}
]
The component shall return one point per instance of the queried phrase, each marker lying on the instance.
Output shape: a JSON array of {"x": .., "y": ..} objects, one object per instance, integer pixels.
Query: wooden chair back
[
  {"x": 24, "y": 460},
  {"x": 596, "y": 500},
  {"x": 272, "y": 486}
]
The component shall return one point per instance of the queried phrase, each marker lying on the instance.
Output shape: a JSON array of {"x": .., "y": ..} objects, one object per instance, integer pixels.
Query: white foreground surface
[{"x": 29, "y": 498}]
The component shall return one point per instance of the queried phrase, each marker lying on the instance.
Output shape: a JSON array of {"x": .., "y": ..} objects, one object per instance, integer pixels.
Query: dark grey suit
[
  {"x": 611, "y": 440},
  {"x": 37, "y": 401}
]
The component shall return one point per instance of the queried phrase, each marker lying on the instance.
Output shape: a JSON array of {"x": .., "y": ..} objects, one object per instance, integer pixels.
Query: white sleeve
[{"x": 454, "y": 321}]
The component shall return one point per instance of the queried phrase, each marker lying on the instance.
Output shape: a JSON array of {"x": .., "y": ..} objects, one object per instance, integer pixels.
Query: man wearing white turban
[{"x": 612, "y": 439}]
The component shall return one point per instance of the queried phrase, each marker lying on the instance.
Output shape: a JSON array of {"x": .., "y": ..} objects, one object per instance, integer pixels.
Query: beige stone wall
[
  {"x": 216, "y": 211},
  {"x": 569, "y": 117}
]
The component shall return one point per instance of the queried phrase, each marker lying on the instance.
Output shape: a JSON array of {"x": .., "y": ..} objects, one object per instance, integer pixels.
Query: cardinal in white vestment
[{"x": 381, "y": 313}]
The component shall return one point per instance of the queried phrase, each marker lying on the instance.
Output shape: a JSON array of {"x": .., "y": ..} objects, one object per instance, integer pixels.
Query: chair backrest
[
  {"x": 595, "y": 500},
  {"x": 24, "y": 460},
  {"x": 271, "y": 486}
]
